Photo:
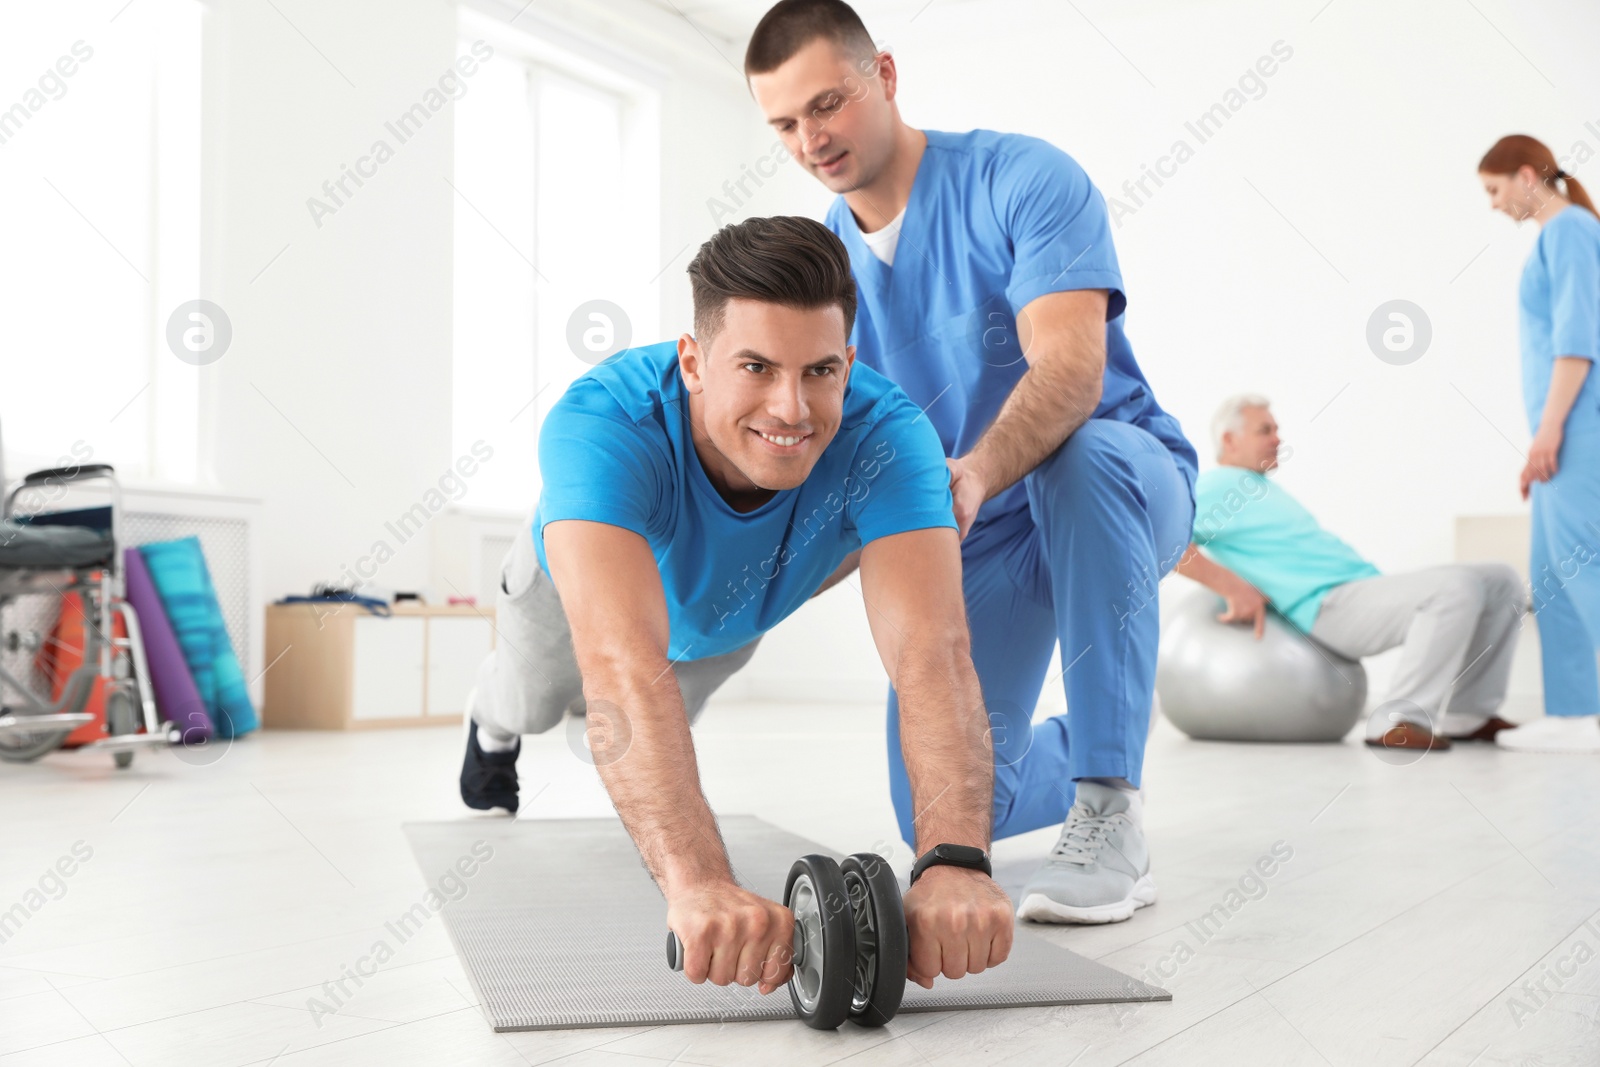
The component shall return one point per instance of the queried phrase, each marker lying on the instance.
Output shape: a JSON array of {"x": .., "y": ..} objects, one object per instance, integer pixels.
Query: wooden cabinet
[{"x": 339, "y": 667}]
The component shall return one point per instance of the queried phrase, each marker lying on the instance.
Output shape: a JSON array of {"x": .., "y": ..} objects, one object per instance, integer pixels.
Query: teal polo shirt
[{"x": 1261, "y": 533}]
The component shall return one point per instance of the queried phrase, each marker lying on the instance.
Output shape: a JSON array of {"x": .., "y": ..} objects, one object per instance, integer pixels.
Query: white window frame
[
  {"x": 171, "y": 453},
  {"x": 522, "y": 36}
]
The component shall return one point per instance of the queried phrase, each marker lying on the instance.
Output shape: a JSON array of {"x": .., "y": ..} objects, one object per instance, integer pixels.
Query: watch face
[
  {"x": 953, "y": 856},
  {"x": 959, "y": 853}
]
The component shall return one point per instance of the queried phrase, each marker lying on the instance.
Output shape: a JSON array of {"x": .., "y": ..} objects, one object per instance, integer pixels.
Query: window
[
  {"x": 100, "y": 160},
  {"x": 556, "y": 194}
]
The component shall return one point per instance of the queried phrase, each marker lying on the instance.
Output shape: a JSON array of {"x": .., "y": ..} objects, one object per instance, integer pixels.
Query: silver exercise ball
[{"x": 1218, "y": 683}]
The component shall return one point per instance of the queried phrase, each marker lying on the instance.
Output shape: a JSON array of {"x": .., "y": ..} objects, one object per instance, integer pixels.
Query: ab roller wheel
[
  {"x": 882, "y": 948},
  {"x": 850, "y": 944},
  {"x": 824, "y": 966}
]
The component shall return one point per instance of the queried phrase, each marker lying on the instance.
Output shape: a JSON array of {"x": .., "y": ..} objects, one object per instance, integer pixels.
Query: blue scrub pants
[
  {"x": 1564, "y": 575},
  {"x": 1109, "y": 513}
]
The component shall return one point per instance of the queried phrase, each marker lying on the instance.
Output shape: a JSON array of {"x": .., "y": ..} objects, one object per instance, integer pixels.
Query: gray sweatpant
[
  {"x": 530, "y": 679},
  {"x": 1459, "y": 625}
]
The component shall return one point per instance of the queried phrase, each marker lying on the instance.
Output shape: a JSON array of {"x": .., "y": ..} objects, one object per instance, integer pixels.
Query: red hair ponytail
[{"x": 1515, "y": 151}]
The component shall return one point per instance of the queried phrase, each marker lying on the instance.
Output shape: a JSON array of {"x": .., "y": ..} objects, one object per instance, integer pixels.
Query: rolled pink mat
[{"x": 177, "y": 696}]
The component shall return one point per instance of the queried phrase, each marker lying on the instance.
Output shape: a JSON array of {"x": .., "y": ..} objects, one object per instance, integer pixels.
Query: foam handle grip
[{"x": 674, "y": 951}]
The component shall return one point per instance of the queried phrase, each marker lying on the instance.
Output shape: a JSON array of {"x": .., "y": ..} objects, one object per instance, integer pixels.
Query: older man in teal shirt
[{"x": 1458, "y": 623}]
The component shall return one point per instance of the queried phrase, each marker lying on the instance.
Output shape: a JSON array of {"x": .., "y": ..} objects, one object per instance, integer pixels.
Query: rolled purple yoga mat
[{"x": 177, "y": 696}]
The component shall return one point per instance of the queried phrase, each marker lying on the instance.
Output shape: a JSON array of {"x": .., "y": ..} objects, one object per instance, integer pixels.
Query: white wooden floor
[{"x": 219, "y": 898}]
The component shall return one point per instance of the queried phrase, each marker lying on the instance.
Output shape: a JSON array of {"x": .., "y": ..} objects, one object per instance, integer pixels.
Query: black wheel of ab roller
[
  {"x": 825, "y": 958},
  {"x": 881, "y": 941}
]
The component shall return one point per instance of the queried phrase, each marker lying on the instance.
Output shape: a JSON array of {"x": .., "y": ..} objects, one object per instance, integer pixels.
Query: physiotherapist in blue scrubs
[
  {"x": 1560, "y": 335},
  {"x": 991, "y": 293}
]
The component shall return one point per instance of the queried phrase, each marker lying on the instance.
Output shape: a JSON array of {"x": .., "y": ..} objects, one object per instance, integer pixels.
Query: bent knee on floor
[{"x": 533, "y": 713}]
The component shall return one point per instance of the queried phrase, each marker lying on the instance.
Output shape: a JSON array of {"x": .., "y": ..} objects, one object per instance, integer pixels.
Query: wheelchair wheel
[
  {"x": 122, "y": 717},
  {"x": 25, "y": 746}
]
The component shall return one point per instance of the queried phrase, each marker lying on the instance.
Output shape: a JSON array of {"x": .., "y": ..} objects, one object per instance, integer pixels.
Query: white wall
[
  {"x": 334, "y": 403},
  {"x": 1349, "y": 182}
]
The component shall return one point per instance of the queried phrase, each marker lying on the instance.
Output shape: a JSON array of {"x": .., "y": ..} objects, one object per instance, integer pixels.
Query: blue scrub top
[
  {"x": 1560, "y": 305},
  {"x": 616, "y": 448},
  {"x": 994, "y": 221}
]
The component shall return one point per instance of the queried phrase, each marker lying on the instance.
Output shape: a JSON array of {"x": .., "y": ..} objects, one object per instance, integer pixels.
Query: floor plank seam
[
  {"x": 1312, "y": 962},
  {"x": 355, "y": 1037},
  {"x": 228, "y": 1004},
  {"x": 208, "y": 959},
  {"x": 1559, "y": 942}
]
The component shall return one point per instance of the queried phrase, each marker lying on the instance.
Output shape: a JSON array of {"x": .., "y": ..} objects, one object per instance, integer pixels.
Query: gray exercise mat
[{"x": 563, "y": 927}]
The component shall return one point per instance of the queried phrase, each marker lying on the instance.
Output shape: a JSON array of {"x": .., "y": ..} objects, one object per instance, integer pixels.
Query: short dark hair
[
  {"x": 790, "y": 25},
  {"x": 785, "y": 259}
]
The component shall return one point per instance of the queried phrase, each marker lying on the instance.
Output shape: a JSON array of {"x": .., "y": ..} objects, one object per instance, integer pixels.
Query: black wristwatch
[{"x": 952, "y": 856}]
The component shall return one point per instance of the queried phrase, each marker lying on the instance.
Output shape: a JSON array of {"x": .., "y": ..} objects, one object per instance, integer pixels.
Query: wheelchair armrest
[{"x": 68, "y": 474}]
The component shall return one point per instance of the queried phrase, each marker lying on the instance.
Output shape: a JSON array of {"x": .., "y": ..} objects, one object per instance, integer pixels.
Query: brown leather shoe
[
  {"x": 1410, "y": 735},
  {"x": 1487, "y": 731}
]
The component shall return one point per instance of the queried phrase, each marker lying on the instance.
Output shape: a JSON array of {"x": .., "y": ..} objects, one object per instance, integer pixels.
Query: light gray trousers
[
  {"x": 530, "y": 679},
  {"x": 1459, "y": 625}
]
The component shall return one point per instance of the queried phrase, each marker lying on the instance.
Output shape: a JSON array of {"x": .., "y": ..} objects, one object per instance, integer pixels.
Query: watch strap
[{"x": 948, "y": 855}]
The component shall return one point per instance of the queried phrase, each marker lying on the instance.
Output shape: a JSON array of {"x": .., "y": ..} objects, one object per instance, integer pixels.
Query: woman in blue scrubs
[{"x": 1560, "y": 336}]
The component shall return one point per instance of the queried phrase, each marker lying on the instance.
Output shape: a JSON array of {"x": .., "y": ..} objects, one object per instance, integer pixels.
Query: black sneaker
[{"x": 489, "y": 779}]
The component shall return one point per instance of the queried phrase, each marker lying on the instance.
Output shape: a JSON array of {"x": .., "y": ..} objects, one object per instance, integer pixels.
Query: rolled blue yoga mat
[{"x": 178, "y": 569}]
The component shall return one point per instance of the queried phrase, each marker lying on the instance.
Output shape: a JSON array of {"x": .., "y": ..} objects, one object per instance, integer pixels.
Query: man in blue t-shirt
[
  {"x": 991, "y": 293},
  {"x": 695, "y": 494},
  {"x": 1457, "y": 623}
]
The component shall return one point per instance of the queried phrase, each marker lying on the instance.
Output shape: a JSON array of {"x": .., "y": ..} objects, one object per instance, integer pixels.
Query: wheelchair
[{"x": 50, "y": 553}]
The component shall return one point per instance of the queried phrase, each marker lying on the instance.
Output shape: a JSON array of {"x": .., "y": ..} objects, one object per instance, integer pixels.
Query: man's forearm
[
  {"x": 1056, "y": 395},
  {"x": 1209, "y": 573},
  {"x": 641, "y": 745},
  {"x": 944, "y": 739}
]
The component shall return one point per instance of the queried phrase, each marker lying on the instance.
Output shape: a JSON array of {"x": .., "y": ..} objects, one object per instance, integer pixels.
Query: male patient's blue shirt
[
  {"x": 616, "y": 448},
  {"x": 995, "y": 220}
]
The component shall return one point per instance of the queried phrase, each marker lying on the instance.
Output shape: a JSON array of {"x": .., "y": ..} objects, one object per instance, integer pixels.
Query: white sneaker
[
  {"x": 1553, "y": 733},
  {"x": 1099, "y": 870}
]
